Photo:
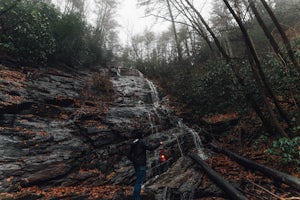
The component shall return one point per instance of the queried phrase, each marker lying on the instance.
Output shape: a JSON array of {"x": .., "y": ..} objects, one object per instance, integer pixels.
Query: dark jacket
[{"x": 138, "y": 152}]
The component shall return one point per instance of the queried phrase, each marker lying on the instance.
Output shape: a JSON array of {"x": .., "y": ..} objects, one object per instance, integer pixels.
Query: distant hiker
[{"x": 138, "y": 157}]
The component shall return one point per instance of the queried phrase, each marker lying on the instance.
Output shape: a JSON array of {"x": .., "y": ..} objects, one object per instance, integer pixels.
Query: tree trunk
[
  {"x": 217, "y": 42},
  {"x": 195, "y": 23},
  {"x": 272, "y": 121},
  {"x": 266, "y": 122},
  {"x": 276, "y": 48},
  {"x": 228, "y": 45},
  {"x": 203, "y": 35},
  {"x": 179, "y": 52},
  {"x": 232, "y": 192},
  {"x": 268, "y": 34},
  {"x": 283, "y": 35},
  {"x": 257, "y": 71},
  {"x": 186, "y": 43},
  {"x": 272, "y": 173}
]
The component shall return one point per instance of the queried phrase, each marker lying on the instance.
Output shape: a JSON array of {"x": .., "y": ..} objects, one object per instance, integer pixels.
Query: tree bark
[
  {"x": 272, "y": 173},
  {"x": 218, "y": 179},
  {"x": 228, "y": 46},
  {"x": 276, "y": 48},
  {"x": 267, "y": 33},
  {"x": 283, "y": 35},
  {"x": 195, "y": 23},
  {"x": 266, "y": 122},
  {"x": 257, "y": 71},
  {"x": 179, "y": 52},
  {"x": 217, "y": 42}
]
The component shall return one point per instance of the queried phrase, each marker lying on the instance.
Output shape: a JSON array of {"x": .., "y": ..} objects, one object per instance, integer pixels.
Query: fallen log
[
  {"x": 250, "y": 164},
  {"x": 231, "y": 191}
]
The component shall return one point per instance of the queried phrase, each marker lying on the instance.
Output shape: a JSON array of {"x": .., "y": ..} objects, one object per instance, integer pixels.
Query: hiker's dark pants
[{"x": 140, "y": 173}]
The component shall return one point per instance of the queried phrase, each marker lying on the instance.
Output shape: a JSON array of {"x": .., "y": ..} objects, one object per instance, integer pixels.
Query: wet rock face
[
  {"x": 54, "y": 132},
  {"x": 136, "y": 107},
  {"x": 37, "y": 142}
]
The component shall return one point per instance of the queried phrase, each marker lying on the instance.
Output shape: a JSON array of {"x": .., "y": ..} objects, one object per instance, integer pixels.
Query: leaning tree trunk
[
  {"x": 195, "y": 23},
  {"x": 276, "y": 48},
  {"x": 269, "y": 36},
  {"x": 250, "y": 164},
  {"x": 266, "y": 122},
  {"x": 231, "y": 191},
  {"x": 257, "y": 71},
  {"x": 217, "y": 42},
  {"x": 283, "y": 36}
]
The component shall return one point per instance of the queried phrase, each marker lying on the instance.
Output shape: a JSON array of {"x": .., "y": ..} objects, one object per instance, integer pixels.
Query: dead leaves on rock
[
  {"x": 12, "y": 75},
  {"x": 97, "y": 192}
]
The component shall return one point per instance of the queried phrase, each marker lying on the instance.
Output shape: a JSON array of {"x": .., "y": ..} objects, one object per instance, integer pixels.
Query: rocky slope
[{"x": 66, "y": 127}]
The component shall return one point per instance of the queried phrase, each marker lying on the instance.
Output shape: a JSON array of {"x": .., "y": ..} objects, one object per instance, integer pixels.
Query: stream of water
[
  {"x": 196, "y": 139},
  {"x": 139, "y": 108}
]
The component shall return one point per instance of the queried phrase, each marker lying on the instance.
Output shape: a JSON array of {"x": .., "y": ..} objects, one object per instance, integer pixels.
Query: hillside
[{"x": 65, "y": 134}]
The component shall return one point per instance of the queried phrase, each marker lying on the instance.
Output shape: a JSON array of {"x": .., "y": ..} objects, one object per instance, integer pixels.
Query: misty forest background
[{"x": 241, "y": 62}]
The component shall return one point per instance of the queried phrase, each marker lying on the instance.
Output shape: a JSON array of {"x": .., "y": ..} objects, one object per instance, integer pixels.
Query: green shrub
[
  {"x": 26, "y": 31},
  {"x": 35, "y": 32},
  {"x": 263, "y": 139},
  {"x": 69, "y": 32},
  {"x": 287, "y": 149},
  {"x": 206, "y": 90}
]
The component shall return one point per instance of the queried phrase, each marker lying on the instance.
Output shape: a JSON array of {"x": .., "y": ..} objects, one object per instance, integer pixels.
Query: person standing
[{"x": 139, "y": 159}]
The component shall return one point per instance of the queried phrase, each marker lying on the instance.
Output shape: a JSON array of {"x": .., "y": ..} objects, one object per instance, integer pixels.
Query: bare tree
[
  {"x": 249, "y": 96},
  {"x": 149, "y": 39},
  {"x": 73, "y": 6},
  {"x": 193, "y": 20},
  {"x": 105, "y": 23},
  {"x": 278, "y": 52},
  {"x": 257, "y": 72},
  {"x": 178, "y": 46},
  {"x": 283, "y": 35},
  {"x": 268, "y": 34},
  {"x": 156, "y": 9},
  {"x": 217, "y": 42}
]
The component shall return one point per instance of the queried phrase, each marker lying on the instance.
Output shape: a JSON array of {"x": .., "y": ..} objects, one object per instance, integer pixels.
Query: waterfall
[
  {"x": 139, "y": 97},
  {"x": 152, "y": 123},
  {"x": 138, "y": 109},
  {"x": 118, "y": 72},
  {"x": 196, "y": 139},
  {"x": 154, "y": 93}
]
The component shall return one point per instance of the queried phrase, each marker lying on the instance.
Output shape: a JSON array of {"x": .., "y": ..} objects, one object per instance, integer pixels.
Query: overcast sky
[{"x": 132, "y": 21}]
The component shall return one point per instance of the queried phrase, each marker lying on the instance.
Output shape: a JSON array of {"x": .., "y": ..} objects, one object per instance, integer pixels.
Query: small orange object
[{"x": 162, "y": 156}]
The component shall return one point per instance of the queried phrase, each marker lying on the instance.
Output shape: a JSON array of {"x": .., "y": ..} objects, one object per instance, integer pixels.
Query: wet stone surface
[{"x": 51, "y": 135}]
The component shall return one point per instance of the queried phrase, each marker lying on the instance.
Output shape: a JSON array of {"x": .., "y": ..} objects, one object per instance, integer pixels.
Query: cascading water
[
  {"x": 152, "y": 123},
  {"x": 139, "y": 109},
  {"x": 154, "y": 93},
  {"x": 196, "y": 138},
  {"x": 195, "y": 135}
]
